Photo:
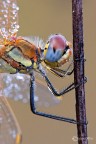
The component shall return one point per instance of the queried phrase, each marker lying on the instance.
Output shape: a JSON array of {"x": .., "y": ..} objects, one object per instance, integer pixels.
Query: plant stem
[{"x": 78, "y": 53}]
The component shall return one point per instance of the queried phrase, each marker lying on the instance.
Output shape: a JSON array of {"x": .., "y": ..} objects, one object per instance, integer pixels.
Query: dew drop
[
  {"x": 17, "y": 8},
  {"x": 14, "y": 6},
  {"x": 5, "y": 16},
  {"x": 8, "y": 1}
]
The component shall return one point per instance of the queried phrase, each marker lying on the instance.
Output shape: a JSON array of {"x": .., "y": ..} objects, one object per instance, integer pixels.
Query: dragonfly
[{"x": 27, "y": 58}]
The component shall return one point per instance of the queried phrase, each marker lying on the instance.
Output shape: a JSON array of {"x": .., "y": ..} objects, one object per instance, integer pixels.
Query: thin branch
[{"x": 78, "y": 52}]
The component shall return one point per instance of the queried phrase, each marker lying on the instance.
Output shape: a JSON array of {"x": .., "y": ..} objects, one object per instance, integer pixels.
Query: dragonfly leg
[
  {"x": 59, "y": 72},
  {"x": 65, "y": 90},
  {"x": 66, "y": 72},
  {"x": 62, "y": 73},
  {"x": 33, "y": 108}
]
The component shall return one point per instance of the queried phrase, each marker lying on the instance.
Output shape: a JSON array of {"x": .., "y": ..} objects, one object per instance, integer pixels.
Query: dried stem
[{"x": 78, "y": 51}]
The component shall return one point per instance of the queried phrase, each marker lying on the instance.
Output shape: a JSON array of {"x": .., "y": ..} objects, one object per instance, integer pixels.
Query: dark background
[{"x": 42, "y": 18}]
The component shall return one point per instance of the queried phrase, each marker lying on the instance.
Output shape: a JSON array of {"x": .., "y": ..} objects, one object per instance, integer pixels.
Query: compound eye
[
  {"x": 65, "y": 50},
  {"x": 54, "y": 49}
]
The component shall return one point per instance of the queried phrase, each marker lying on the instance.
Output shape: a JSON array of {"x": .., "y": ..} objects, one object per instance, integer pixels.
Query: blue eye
[
  {"x": 53, "y": 54},
  {"x": 54, "y": 49}
]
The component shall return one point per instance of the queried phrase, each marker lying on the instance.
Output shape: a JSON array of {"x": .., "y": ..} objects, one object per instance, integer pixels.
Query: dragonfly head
[{"x": 57, "y": 47}]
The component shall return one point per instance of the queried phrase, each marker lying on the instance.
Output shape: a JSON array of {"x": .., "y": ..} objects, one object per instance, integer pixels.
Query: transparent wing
[
  {"x": 10, "y": 132},
  {"x": 8, "y": 18},
  {"x": 17, "y": 88}
]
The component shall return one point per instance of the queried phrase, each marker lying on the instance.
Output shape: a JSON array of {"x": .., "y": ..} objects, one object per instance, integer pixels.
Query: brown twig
[{"x": 78, "y": 52}]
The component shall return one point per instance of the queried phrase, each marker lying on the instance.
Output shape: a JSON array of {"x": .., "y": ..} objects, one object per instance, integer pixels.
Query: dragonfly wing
[
  {"x": 46, "y": 97},
  {"x": 10, "y": 132},
  {"x": 17, "y": 87},
  {"x": 8, "y": 18},
  {"x": 37, "y": 41}
]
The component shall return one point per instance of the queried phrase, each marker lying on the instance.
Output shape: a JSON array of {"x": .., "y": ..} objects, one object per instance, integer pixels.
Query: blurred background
[{"x": 42, "y": 18}]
